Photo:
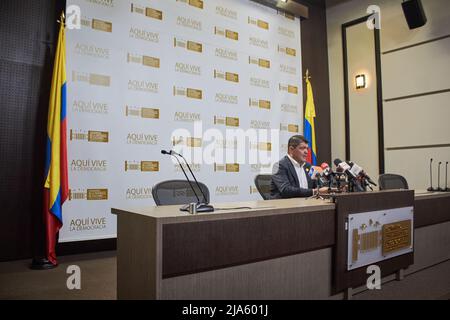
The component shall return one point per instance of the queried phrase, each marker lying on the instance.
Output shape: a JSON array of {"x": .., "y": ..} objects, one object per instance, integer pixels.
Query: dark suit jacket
[{"x": 285, "y": 182}]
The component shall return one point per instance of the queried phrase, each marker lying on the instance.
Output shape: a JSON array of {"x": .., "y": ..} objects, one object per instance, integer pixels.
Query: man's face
[{"x": 299, "y": 153}]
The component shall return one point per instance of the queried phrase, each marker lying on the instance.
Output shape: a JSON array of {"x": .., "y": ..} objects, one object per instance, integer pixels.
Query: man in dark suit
[{"x": 290, "y": 178}]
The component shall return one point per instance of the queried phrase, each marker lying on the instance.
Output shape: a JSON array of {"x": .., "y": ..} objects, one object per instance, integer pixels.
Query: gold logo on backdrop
[
  {"x": 233, "y": 35},
  {"x": 194, "y": 3},
  {"x": 189, "y": 23},
  {"x": 148, "y": 12},
  {"x": 288, "y": 51},
  {"x": 189, "y": 45},
  {"x": 257, "y": 168},
  {"x": 261, "y": 146},
  {"x": 89, "y": 194},
  {"x": 91, "y": 78},
  {"x": 228, "y": 76},
  {"x": 148, "y": 113},
  {"x": 288, "y": 88},
  {"x": 228, "y": 167},
  {"x": 187, "y": 92},
  {"x": 263, "y": 63},
  {"x": 289, "y": 127},
  {"x": 228, "y": 121},
  {"x": 92, "y": 51},
  {"x": 91, "y": 136},
  {"x": 396, "y": 236},
  {"x": 144, "y": 60},
  {"x": 286, "y": 15},
  {"x": 143, "y": 166},
  {"x": 259, "y": 23},
  {"x": 258, "y": 103},
  {"x": 97, "y": 136},
  {"x": 97, "y": 24},
  {"x": 187, "y": 141}
]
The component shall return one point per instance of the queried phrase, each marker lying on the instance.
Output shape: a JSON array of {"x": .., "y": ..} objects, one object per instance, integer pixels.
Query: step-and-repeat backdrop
[{"x": 217, "y": 80}]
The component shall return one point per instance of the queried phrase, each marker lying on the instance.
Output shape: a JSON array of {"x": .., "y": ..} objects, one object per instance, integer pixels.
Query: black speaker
[{"x": 415, "y": 16}]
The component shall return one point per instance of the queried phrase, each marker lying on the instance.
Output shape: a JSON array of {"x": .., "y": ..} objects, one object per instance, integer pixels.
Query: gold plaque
[
  {"x": 150, "y": 113},
  {"x": 196, "y": 3},
  {"x": 194, "y": 93},
  {"x": 264, "y": 104},
  {"x": 153, "y": 13},
  {"x": 232, "y": 167},
  {"x": 97, "y": 136},
  {"x": 150, "y": 61},
  {"x": 194, "y": 46},
  {"x": 219, "y": 167},
  {"x": 369, "y": 241},
  {"x": 265, "y": 146},
  {"x": 293, "y": 128},
  {"x": 264, "y": 63},
  {"x": 234, "y": 77},
  {"x": 396, "y": 236},
  {"x": 355, "y": 238},
  {"x": 97, "y": 194},
  {"x": 99, "y": 80},
  {"x": 290, "y": 52},
  {"x": 231, "y": 35},
  {"x": 147, "y": 166},
  {"x": 194, "y": 142},
  {"x": 292, "y": 89},
  {"x": 101, "y": 25},
  {"x": 262, "y": 24},
  {"x": 232, "y": 122}
]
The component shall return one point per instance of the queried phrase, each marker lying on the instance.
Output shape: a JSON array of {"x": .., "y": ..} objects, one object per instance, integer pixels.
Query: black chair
[
  {"x": 171, "y": 192},
  {"x": 262, "y": 183},
  {"x": 392, "y": 181}
]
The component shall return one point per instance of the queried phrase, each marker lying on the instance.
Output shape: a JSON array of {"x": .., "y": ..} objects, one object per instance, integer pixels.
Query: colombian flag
[
  {"x": 56, "y": 188},
  {"x": 309, "y": 131}
]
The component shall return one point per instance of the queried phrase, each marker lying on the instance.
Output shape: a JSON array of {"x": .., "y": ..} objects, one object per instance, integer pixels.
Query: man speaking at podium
[{"x": 290, "y": 178}]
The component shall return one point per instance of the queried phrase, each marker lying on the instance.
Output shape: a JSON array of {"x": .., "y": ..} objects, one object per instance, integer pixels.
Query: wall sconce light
[{"x": 361, "y": 81}]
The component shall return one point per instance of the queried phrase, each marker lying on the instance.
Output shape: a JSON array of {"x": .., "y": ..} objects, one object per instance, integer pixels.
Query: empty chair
[
  {"x": 262, "y": 183},
  {"x": 171, "y": 192},
  {"x": 392, "y": 181}
]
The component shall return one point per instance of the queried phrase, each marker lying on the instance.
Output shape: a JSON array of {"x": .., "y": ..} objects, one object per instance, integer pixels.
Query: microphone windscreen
[
  {"x": 164, "y": 152},
  {"x": 337, "y": 161},
  {"x": 324, "y": 165}
]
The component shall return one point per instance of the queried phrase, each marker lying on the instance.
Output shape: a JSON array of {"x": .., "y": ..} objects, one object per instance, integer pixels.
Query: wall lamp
[{"x": 361, "y": 81}]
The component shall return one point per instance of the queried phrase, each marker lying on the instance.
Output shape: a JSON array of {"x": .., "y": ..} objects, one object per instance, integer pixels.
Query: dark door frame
[{"x": 379, "y": 91}]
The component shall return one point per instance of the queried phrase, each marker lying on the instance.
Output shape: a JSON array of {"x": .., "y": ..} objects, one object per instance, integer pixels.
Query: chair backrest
[
  {"x": 171, "y": 192},
  {"x": 262, "y": 183},
  {"x": 392, "y": 181}
]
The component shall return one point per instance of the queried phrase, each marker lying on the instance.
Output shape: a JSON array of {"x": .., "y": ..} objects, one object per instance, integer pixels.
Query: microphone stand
[
  {"x": 431, "y": 177},
  {"x": 201, "y": 206},
  {"x": 446, "y": 178},
  {"x": 439, "y": 177}
]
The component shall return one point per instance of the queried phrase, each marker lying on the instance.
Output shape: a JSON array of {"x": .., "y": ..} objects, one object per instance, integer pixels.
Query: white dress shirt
[{"x": 301, "y": 175}]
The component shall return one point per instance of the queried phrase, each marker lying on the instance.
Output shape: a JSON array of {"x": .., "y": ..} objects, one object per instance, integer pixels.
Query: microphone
[
  {"x": 354, "y": 184},
  {"x": 358, "y": 171},
  {"x": 439, "y": 177},
  {"x": 200, "y": 206},
  {"x": 431, "y": 177}
]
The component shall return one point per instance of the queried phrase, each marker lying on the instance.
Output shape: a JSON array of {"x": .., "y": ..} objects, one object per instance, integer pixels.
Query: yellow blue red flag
[
  {"x": 56, "y": 187},
  {"x": 309, "y": 128}
]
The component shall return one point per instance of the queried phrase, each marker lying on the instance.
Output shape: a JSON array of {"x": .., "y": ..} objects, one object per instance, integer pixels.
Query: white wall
[{"x": 416, "y": 128}]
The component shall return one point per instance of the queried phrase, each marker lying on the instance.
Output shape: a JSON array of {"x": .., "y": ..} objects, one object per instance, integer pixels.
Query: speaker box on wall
[{"x": 415, "y": 16}]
